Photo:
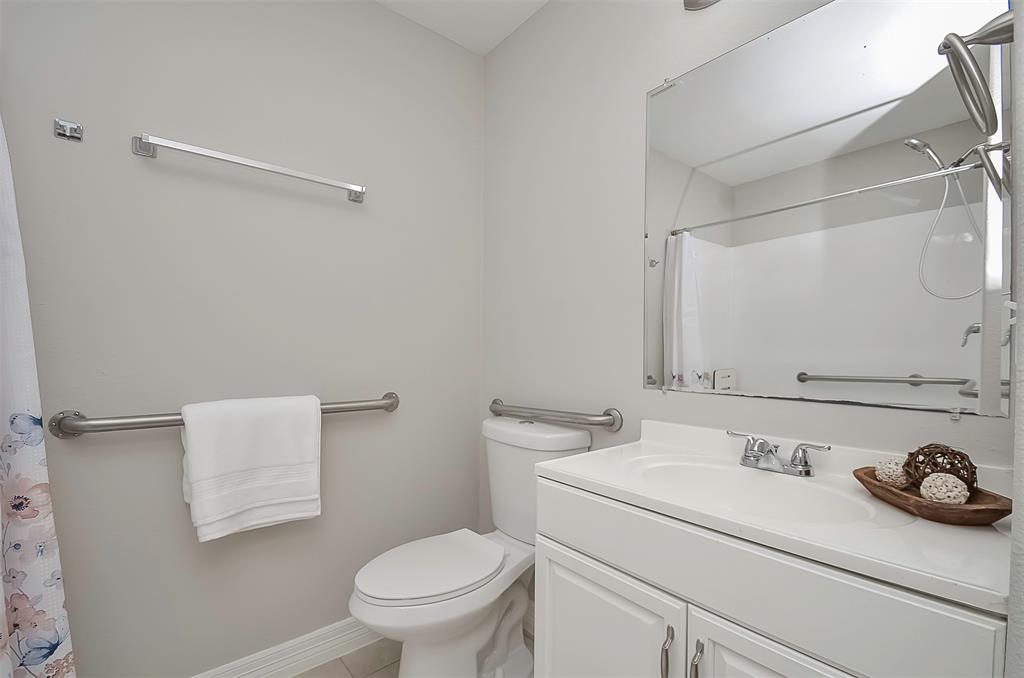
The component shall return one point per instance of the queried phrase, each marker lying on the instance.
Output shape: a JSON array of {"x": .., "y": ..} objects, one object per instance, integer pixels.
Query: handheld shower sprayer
[
  {"x": 915, "y": 144},
  {"x": 924, "y": 148}
]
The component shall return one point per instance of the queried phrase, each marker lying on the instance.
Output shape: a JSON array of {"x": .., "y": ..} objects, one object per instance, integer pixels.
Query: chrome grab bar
[
  {"x": 970, "y": 81},
  {"x": 146, "y": 145},
  {"x": 968, "y": 387},
  {"x": 610, "y": 419},
  {"x": 72, "y": 423},
  {"x": 912, "y": 380}
]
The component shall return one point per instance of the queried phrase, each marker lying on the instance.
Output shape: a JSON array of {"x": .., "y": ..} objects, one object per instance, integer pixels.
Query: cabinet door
[
  {"x": 596, "y": 622},
  {"x": 731, "y": 651}
]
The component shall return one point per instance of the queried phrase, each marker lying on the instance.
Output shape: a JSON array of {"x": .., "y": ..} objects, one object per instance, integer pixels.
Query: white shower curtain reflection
[
  {"x": 36, "y": 639},
  {"x": 684, "y": 344}
]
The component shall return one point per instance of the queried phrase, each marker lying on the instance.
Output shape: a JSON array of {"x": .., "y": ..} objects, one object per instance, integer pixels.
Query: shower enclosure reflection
[{"x": 807, "y": 233}]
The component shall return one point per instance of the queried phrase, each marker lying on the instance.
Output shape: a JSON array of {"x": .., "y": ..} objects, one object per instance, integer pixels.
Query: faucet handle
[
  {"x": 737, "y": 434},
  {"x": 755, "y": 447},
  {"x": 799, "y": 459},
  {"x": 750, "y": 448}
]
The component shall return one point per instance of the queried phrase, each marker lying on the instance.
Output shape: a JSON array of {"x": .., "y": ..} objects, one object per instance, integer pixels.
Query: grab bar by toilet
[
  {"x": 72, "y": 423},
  {"x": 610, "y": 419}
]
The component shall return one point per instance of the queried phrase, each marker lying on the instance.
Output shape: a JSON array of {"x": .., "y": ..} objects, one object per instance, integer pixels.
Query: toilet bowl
[{"x": 457, "y": 601}]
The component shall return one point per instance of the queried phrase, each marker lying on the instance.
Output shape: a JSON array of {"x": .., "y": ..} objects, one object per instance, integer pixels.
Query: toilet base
[
  {"x": 494, "y": 648},
  {"x": 518, "y": 665}
]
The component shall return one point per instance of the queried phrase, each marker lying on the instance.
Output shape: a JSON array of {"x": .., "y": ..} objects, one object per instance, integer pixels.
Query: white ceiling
[
  {"x": 477, "y": 25},
  {"x": 845, "y": 77}
]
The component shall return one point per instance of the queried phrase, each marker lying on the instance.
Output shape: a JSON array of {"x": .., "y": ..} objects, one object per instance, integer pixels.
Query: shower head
[{"x": 916, "y": 144}]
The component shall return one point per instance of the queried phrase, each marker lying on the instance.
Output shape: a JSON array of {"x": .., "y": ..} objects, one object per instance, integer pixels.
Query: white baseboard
[{"x": 300, "y": 654}]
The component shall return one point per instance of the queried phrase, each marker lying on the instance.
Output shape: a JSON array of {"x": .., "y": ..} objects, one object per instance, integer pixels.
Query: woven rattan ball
[{"x": 939, "y": 458}]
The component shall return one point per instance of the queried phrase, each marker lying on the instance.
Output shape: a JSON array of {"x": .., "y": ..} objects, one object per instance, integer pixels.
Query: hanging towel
[
  {"x": 251, "y": 463},
  {"x": 684, "y": 344}
]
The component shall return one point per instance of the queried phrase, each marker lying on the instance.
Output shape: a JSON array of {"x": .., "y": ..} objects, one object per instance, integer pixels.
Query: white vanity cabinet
[
  {"x": 612, "y": 576},
  {"x": 596, "y": 622},
  {"x": 729, "y": 650}
]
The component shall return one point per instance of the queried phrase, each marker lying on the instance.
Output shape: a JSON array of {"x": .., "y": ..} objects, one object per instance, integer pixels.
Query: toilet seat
[{"x": 430, "y": 570}]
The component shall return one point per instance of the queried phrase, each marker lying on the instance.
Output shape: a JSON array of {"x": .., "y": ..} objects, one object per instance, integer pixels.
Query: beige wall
[
  {"x": 565, "y": 192},
  {"x": 676, "y": 195},
  {"x": 160, "y": 282}
]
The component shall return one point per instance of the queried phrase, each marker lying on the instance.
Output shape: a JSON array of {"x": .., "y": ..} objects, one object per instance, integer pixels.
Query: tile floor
[{"x": 376, "y": 660}]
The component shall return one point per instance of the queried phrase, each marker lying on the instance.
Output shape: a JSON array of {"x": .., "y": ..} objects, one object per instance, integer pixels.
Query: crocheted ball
[
  {"x": 890, "y": 472},
  {"x": 945, "y": 488}
]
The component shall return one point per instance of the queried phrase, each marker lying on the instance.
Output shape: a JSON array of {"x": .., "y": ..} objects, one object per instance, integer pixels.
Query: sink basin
[{"x": 757, "y": 496}]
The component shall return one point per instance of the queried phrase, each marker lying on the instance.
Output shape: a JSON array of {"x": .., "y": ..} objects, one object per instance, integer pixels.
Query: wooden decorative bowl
[{"x": 983, "y": 508}]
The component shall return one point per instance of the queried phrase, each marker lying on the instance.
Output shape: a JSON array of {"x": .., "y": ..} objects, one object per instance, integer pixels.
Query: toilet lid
[{"x": 430, "y": 570}]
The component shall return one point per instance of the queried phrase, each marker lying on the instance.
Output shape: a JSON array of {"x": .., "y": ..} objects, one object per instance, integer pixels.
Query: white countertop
[{"x": 693, "y": 474}]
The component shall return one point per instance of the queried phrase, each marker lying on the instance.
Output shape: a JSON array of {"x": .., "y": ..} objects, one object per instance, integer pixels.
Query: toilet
[{"x": 457, "y": 601}]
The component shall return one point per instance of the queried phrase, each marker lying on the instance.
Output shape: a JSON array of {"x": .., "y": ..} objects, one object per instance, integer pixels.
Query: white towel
[{"x": 251, "y": 463}]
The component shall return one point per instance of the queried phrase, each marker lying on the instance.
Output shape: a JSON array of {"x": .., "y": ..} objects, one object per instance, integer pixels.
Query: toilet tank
[{"x": 514, "y": 447}]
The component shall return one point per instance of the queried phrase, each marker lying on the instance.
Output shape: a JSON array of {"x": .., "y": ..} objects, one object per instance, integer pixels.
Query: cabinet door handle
[
  {"x": 670, "y": 635},
  {"x": 695, "y": 662}
]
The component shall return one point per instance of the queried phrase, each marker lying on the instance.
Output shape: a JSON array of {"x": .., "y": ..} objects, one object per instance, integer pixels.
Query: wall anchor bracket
[
  {"x": 143, "y": 148},
  {"x": 67, "y": 130}
]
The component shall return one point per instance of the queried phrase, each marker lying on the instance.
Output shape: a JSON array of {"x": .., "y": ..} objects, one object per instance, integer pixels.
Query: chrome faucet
[
  {"x": 761, "y": 454},
  {"x": 973, "y": 328}
]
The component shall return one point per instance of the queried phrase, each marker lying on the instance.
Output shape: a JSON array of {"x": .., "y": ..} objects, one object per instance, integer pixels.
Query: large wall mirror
[{"x": 809, "y": 233}]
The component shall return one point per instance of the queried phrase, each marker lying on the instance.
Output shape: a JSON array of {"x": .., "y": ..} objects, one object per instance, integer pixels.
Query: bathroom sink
[
  {"x": 693, "y": 474},
  {"x": 756, "y": 496}
]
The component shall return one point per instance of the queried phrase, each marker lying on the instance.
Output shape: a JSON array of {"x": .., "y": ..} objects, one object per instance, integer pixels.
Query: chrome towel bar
[
  {"x": 610, "y": 419},
  {"x": 146, "y": 145},
  {"x": 72, "y": 423}
]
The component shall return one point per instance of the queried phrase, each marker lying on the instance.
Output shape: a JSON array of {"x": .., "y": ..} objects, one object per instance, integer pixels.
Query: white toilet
[{"x": 456, "y": 601}]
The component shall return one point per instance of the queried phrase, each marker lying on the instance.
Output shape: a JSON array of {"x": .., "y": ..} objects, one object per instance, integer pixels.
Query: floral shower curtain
[{"x": 36, "y": 639}]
